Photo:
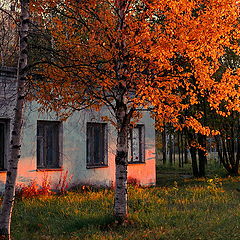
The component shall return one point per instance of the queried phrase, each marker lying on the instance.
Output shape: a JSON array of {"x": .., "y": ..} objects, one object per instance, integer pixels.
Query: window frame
[
  {"x": 141, "y": 142},
  {"x": 91, "y": 163},
  {"x": 6, "y": 124},
  {"x": 58, "y": 140}
]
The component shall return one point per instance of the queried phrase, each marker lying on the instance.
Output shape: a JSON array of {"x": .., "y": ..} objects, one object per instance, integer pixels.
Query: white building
[{"x": 84, "y": 145}]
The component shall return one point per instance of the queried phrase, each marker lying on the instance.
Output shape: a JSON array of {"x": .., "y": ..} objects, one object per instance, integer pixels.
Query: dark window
[
  {"x": 48, "y": 144},
  {"x": 4, "y": 140},
  {"x": 137, "y": 144},
  {"x": 96, "y": 144}
]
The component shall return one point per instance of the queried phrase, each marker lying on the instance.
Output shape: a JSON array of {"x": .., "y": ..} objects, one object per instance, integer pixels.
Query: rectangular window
[
  {"x": 137, "y": 145},
  {"x": 4, "y": 143},
  {"x": 96, "y": 144},
  {"x": 48, "y": 144}
]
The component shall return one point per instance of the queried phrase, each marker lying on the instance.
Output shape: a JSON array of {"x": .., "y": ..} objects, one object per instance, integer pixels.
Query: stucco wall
[
  {"x": 74, "y": 152},
  {"x": 7, "y": 91}
]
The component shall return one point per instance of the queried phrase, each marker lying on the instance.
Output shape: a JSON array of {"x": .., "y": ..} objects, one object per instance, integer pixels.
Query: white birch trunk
[
  {"x": 9, "y": 194},
  {"x": 121, "y": 161},
  {"x": 122, "y": 117}
]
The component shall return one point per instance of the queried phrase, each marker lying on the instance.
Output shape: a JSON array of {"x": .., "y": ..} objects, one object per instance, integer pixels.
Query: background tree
[
  {"x": 9, "y": 193},
  {"x": 8, "y": 34},
  {"x": 227, "y": 142},
  {"x": 197, "y": 46}
]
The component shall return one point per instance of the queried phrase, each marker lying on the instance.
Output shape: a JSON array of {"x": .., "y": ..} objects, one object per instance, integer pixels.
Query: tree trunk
[
  {"x": 121, "y": 161},
  {"x": 174, "y": 150},
  {"x": 185, "y": 150},
  {"x": 170, "y": 150},
  {"x": 202, "y": 155},
  {"x": 221, "y": 155},
  {"x": 237, "y": 150},
  {"x": 182, "y": 152},
  {"x": 120, "y": 205},
  {"x": 123, "y": 120},
  {"x": 193, "y": 153},
  {"x": 164, "y": 143},
  {"x": 9, "y": 194},
  {"x": 179, "y": 150}
]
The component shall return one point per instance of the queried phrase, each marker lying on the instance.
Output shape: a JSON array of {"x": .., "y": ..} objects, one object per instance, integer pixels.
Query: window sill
[
  {"x": 49, "y": 169},
  {"x": 99, "y": 166},
  {"x": 132, "y": 163},
  {"x": 3, "y": 170}
]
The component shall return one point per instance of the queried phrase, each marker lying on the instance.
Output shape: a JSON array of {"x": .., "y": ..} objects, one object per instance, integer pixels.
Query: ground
[{"x": 178, "y": 208}]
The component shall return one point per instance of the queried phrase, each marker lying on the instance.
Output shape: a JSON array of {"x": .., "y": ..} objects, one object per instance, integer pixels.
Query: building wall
[
  {"x": 74, "y": 151},
  {"x": 7, "y": 91}
]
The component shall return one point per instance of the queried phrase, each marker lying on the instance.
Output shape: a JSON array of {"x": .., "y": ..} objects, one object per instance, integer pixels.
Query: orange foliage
[{"x": 164, "y": 55}]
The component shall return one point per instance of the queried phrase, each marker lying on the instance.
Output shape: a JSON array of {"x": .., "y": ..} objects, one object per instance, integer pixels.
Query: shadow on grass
[
  {"x": 101, "y": 223},
  {"x": 79, "y": 226},
  {"x": 168, "y": 175},
  {"x": 65, "y": 226}
]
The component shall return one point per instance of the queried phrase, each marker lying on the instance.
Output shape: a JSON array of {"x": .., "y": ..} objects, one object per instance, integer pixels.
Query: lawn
[{"x": 182, "y": 209}]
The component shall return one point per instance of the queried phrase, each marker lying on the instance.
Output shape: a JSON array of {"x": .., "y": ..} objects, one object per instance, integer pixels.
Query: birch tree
[
  {"x": 105, "y": 79},
  {"x": 9, "y": 194},
  {"x": 126, "y": 55}
]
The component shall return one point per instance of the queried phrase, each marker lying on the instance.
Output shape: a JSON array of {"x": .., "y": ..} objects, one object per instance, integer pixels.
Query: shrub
[
  {"x": 32, "y": 189},
  {"x": 63, "y": 183},
  {"x": 133, "y": 182}
]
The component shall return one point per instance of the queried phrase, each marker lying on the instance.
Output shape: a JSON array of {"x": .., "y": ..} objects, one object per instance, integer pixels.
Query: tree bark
[
  {"x": 123, "y": 121},
  {"x": 121, "y": 161},
  {"x": 170, "y": 149},
  {"x": 179, "y": 149},
  {"x": 120, "y": 205},
  {"x": 236, "y": 166},
  {"x": 221, "y": 155},
  {"x": 182, "y": 148},
  {"x": 174, "y": 150},
  {"x": 164, "y": 147},
  {"x": 193, "y": 153},
  {"x": 9, "y": 194},
  {"x": 185, "y": 150},
  {"x": 202, "y": 155},
  {"x": 237, "y": 149}
]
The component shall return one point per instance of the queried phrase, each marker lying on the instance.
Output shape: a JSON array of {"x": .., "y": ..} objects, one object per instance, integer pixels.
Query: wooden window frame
[
  {"x": 6, "y": 143},
  {"x": 42, "y": 163},
  {"x": 90, "y": 161},
  {"x": 141, "y": 129}
]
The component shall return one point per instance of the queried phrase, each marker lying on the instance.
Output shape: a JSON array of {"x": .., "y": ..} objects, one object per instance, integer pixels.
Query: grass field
[{"x": 179, "y": 208}]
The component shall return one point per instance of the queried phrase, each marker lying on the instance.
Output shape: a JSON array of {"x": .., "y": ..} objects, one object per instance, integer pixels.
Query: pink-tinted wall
[{"x": 74, "y": 153}]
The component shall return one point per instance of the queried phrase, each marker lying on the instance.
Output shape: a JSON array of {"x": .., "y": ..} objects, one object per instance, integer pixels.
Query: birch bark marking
[
  {"x": 9, "y": 195},
  {"x": 121, "y": 160}
]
